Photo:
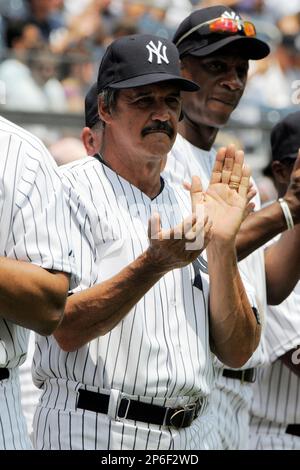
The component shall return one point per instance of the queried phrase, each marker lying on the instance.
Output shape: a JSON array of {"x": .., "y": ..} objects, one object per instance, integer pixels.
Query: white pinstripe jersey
[
  {"x": 32, "y": 219},
  {"x": 276, "y": 399},
  {"x": 161, "y": 348}
]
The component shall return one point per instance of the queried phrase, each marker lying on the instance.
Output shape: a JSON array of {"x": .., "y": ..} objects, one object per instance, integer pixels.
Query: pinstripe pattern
[
  {"x": 32, "y": 212},
  {"x": 61, "y": 426},
  {"x": 159, "y": 350},
  {"x": 276, "y": 401},
  {"x": 29, "y": 393},
  {"x": 283, "y": 327},
  {"x": 230, "y": 398},
  {"x": 13, "y": 431},
  {"x": 66, "y": 430}
]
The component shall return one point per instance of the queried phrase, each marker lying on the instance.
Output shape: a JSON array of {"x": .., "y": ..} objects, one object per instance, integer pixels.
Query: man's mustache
[{"x": 159, "y": 127}]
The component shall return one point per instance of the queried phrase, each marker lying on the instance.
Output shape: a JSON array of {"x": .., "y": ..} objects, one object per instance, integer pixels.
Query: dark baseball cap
[
  {"x": 91, "y": 107},
  {"x": 285, "y": 138},
  {"x": 141, "y": 59},
  {"x": 291, "y": 42},
  {"x": 195, "y": 38}
]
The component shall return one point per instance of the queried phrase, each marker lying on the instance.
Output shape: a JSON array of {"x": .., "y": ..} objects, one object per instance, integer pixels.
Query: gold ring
[{"x": 234, "y": 185}]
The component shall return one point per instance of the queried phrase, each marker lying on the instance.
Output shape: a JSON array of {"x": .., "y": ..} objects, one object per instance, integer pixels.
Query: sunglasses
[{"x": 223, "y": 26}]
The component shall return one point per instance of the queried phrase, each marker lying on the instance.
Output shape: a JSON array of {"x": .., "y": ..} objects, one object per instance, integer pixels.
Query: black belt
[
  {"x": 180, "y": 417},
  {"x": 247, "y": 375},
  {"x": 293, "y": 429},
  {"x": 4, "y": 373}
]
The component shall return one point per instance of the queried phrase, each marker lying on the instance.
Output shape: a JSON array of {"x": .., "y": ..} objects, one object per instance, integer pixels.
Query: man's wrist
[
  {"x": 222, "y": 248},
  {"x": 287, "y": 213},
  {"x": 152, "y": 262}
]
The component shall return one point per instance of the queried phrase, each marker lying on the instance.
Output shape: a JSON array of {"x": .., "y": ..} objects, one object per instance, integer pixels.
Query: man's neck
[
  {"x": 202, "y": 137},
  {"x": 144, "y": 177}
]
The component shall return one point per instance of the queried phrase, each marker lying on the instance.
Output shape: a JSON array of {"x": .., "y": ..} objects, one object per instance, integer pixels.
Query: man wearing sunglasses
[{"x": 215, "y": 46}]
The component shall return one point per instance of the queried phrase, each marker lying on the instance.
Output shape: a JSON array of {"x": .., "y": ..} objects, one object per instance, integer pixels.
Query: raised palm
[{"x": 226, "y": 197}]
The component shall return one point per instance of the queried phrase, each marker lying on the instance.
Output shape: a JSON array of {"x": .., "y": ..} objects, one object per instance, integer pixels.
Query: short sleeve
[{"x": 34, "y": 210}]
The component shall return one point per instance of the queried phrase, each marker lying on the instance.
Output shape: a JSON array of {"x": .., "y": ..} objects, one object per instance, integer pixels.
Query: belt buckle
[
  {"x": 253, "y": 378},
  {"x": 184, "y": 416},
  {"x": 243, "y": 377},
  {"x": 250, "y": 379},
  {"x": 124, "y": 413}
]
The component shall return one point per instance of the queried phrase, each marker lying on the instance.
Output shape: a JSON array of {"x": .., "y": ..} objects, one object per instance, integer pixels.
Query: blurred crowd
[{"x": 50, "y": 49}]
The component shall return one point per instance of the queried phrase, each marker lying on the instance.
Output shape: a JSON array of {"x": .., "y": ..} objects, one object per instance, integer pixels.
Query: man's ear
[
  {"x": 184, "y": 69},
  {"x": 103, "y": 112},
  {"x": 281, "y": 172},
  {"x": 88, "y": 140}
]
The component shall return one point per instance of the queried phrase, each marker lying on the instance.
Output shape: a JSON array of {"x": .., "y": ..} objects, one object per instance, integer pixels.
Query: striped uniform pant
[
  {"x": 231, "y": 400},
  {"x": 30, "y": 393},
  {"x": 265, "y": 435},
  {"x": 13, "y": 430},
  {"x": 58, "y": 424}
]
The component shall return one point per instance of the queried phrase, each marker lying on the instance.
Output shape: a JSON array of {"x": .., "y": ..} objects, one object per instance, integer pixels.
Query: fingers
[
  {"x": 197, "y": 195},
  {"x": 228, "y": 164},
  {"x": 154, "y": 226},
  {"x": 244, "y": 183},
  {"x": 224, "y": 167},
  {"x": 249, "y": 208},
  {"x": 297, "y": 163},
  {"x": 192, "y": 232},
  {"x": 199, "y": 236},
  {"x": 186, "y": 227},
  {"x": 187, "y": 185},
  {"x": 251, "y": 193},
  {"x": 236, "y": 173},
  {"x": 216, "y": 176}
]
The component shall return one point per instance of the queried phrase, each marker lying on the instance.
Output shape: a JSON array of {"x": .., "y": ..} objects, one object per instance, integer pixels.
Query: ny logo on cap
[
  {"x": 233, "y": 16},
  {"x": 153, "y": 49}
]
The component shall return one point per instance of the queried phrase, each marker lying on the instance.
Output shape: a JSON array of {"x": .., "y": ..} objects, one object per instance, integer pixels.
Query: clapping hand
[{"x": 226, "y": 200}]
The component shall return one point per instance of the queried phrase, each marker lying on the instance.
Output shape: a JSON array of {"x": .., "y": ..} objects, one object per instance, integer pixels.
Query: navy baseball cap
[
  {"x": 91, "y": 107},
  {"x": 141, "y": 59},
  {"x": 209, "y": 29},
  {"x": 285, "y": 137}
]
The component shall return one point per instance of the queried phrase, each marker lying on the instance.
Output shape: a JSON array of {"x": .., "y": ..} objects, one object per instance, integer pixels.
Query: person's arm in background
[
  {"x": 263, "y": 225},
  {"x": 282, "y": 258},
  {"x": 282, "y": 263}
]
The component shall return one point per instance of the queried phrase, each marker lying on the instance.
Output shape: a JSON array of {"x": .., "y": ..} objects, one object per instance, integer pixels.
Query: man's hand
[
  {"x": 177, "y": 247},
  {"x": 227, "y": 197},
  {"x": 292, "y": 195}
]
